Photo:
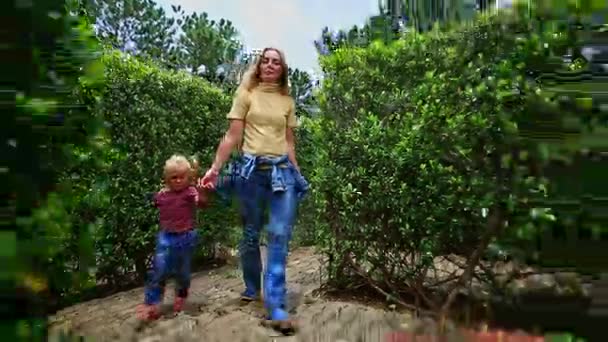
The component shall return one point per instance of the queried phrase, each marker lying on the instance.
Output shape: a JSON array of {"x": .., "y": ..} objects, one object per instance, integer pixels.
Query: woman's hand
[{"x": 209, "y": 179}]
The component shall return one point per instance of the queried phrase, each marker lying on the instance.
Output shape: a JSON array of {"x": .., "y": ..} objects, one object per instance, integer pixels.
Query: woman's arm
[
  {"x": 291, "y": 147},
  {"x": 233, "y": 136}
]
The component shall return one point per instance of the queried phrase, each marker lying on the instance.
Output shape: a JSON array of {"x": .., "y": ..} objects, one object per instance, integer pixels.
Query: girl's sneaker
[
  {"x": 178, "y": 304},
  {"x": 147, "y": 312}
]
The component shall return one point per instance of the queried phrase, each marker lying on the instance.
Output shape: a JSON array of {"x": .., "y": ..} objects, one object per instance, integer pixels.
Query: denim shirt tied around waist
[{"x": 250, "y": 162}]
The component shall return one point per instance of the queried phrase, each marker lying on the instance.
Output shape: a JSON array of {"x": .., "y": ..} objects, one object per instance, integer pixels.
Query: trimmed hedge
[
  {"x": 420, "y": 154},
  {"x": 149, "y": 114}
]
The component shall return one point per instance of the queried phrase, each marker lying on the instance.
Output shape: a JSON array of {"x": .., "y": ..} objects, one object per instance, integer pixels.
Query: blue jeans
[
  {"x": 256, "y": 196},
  {"x": 173, "y": 256}
]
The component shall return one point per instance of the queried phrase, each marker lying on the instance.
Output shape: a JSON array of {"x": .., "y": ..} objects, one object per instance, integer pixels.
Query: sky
[{"x": 290, "y": 25}]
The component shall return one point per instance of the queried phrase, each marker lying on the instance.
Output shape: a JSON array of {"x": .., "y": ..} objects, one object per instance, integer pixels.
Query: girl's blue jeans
[
  {"x": 257, "y": 195},
  {"x": 172, "y": 257}
]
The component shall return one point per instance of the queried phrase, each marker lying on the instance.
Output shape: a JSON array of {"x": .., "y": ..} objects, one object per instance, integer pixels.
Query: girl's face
[
  {"x": 178, "y": 179},
  {"x": 270, "y": 67}
]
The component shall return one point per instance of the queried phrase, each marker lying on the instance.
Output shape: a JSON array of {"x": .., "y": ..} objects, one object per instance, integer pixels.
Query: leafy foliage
[
  {"x": 330, "y": 41},
  {"x": 183, "y": 41},
  {"x": 43, "y": 130},
  {"x": 397, "y": 18},
  {"x": 140, "y": 27},
  {"x": 423, "y": 15},
  {"x": 302, "y": 90},
  {"x": 430, "y": 161},
  {"x": 427, "y": 146},
  {"x": 150, "y": 114},
  {"x": 205, "y": 42}
]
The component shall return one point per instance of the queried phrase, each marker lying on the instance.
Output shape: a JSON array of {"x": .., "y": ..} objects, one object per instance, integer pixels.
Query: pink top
[{"x": 177, "y": 209}]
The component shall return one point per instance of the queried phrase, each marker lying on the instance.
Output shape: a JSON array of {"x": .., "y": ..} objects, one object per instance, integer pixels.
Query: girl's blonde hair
[
  {"x": 178, "y": 162},
  {"x": 251, "y": 78}
]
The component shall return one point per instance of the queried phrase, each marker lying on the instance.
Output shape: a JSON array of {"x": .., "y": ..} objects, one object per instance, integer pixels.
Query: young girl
[{"x": 177, "y": 203}]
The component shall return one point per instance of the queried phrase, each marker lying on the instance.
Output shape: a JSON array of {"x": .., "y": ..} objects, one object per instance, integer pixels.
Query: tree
[
  {"x": 188, "y": 41},
  {"x": 139, "y": 27},
  {"x": 302, "y": 86},
  {"x": 423, "y": 14},
  {"x": 206, "y": 44},
  {"x": 397, "y": 17},
  {"x": 230, "y": 73},
  {"x": 330, "y": 41}
]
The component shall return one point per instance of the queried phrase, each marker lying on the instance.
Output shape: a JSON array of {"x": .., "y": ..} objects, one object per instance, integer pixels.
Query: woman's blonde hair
[
  {"x": 178, "y": 162},
  {"x": 251, "y": 78}
]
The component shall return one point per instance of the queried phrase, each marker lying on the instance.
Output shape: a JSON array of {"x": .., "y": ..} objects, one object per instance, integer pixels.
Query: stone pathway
[{"x": 214, "y": 312}]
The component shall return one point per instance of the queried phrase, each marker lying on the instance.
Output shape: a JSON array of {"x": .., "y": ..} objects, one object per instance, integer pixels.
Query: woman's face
[{"x": 270, "y": 67}]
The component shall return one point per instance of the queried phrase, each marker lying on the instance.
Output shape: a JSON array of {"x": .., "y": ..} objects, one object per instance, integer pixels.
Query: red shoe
[
  {"x": 146, "y": 312},
  {"x": 178, "y": 304}
]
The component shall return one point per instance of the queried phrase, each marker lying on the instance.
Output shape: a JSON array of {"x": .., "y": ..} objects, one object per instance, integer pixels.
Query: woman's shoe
[
  {"x": 286, "y": 327},
  {"x": 279, "y": 320},
  {"x": 250, "y": 296}
]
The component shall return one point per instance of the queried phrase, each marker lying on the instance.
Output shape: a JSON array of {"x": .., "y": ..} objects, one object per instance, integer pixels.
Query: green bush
[
  {"x": 43, "y": 129},
  {"x": 419, "y": 154},
  {"x": 150, "y": 114},
  {"x": 305, "y": 229}
]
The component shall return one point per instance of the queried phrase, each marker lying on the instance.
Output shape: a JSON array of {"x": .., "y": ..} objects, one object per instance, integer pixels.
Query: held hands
[{"x": 209, "y": 179}]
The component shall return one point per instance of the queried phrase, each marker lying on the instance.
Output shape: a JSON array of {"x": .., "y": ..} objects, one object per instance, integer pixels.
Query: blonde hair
[
  {"x": 178, "y": 162},
  {"x": 251, "y": 78}
]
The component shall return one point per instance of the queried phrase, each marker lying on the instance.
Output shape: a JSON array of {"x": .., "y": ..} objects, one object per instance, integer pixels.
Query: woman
[{"x": 263, "y": 118}]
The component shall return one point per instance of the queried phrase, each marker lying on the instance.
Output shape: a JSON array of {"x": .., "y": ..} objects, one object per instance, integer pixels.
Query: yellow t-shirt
[{"x": 267, "y": 114}]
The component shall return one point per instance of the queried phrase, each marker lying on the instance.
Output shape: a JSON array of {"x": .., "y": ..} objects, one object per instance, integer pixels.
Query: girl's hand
[
  {"x": 202, "y": 199},
  {"x": 209, "y": 179}
]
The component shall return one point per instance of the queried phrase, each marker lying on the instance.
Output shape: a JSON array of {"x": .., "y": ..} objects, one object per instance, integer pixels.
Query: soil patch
[{"x": 214, "y": 312}]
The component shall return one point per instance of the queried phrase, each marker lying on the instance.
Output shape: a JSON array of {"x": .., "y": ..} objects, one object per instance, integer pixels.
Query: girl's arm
[
  {"x": 154, "y": 196},
  {"x": 291, "y": 147},
  {"x": 233, "y": 136}
]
